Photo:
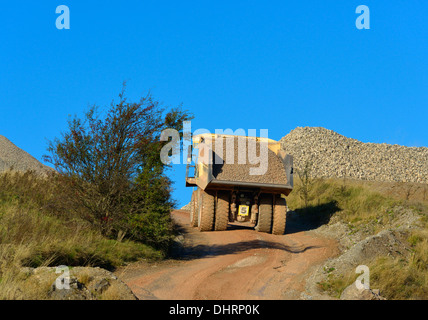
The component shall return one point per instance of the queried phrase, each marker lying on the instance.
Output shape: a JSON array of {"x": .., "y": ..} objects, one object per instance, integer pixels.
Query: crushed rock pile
[
  {"x": 332, "y": 155},
  {"x": 16, "y": 159}
]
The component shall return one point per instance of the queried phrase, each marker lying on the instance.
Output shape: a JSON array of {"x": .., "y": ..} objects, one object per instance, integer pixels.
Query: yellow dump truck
[{"x": 226, "y": 192}]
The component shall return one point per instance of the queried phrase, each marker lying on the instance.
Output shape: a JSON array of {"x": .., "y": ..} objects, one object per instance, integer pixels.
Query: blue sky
[{"x": 235, "y": 64}]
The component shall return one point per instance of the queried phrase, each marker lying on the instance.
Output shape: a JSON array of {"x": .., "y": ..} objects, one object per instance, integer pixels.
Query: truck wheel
[
  {"x": 194, "y": 209},
  {"x": 264, "y": 221},
  {"x": 279, "y": 216},
  {"x": 221, "y": 211},
  {"x": 205, "y": 211}
]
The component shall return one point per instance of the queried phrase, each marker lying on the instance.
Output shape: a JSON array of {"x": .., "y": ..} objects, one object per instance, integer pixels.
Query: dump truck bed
[{"x": 278, "y": 177}]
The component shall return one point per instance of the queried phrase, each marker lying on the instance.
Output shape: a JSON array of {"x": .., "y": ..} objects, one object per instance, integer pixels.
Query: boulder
[
  {"x": 75, "y": 291},
  {"x": 78, "y": 283},
  {"x": 352, "y": 292}
]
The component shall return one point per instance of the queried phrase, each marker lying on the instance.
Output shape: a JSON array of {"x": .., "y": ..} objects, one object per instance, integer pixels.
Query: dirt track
[{"x": 239, "y": 263}]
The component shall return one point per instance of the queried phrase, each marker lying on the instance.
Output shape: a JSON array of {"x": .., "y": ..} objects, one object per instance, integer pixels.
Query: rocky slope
[
  {"x": 12, "y": 157},
  {"x": 333, "y": 155}
]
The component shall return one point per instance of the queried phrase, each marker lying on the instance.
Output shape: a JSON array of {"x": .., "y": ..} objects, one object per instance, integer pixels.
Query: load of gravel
[
  {"x": 275, "y": 173},
  {"x": 332, "y": 155},
  {"x": 16, "y": 159}
]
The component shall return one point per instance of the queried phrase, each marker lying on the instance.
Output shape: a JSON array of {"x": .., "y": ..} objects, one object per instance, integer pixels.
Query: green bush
[{"x": 110, "y": 171}]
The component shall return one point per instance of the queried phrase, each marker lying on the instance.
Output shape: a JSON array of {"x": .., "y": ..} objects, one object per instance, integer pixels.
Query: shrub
[{"x": 110, "y": 168}]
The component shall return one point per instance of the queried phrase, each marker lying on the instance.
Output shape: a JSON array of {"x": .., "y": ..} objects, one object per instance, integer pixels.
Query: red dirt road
[{"x": 237, "y": 264}]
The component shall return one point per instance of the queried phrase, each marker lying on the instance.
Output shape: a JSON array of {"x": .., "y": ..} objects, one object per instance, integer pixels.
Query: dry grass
[
  {"x": 374, "y": 206},
  {"x": 353, "y": 202},
  {"x": 32, "y": 234},
  {"x": 401, "y": 279},
  {"x": 84, "y": 278},
  {"x": 113, "y": 292},
  {"x": 16, "y": 284},
  {"x": 335, "y": 285}
]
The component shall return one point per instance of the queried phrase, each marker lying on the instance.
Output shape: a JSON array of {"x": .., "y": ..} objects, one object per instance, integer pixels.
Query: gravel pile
[
  {"x": 333, "y": 155},
  {"x": 12, "y": 157},
  {"x": 275, "y": 173}
]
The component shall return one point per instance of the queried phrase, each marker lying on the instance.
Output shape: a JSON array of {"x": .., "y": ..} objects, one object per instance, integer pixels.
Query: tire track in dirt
[{"x": 236, "y": 264}]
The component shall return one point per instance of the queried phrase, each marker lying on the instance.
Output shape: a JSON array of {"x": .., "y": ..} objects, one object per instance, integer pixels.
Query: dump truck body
[{"x": 226, "y": 190}]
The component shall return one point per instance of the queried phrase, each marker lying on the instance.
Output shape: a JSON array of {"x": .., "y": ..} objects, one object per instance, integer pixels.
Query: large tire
[
  {"x": 194, "y": 209},
  {"x": 279, "y": 216},
  {"x": 206, "y": 211},
  {"x": 221, "y": 211},
  {"x": 264, "y": 220}
]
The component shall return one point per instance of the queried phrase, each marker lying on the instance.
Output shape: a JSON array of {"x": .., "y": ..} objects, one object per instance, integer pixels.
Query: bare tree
[{"x": 306, "y": 182}]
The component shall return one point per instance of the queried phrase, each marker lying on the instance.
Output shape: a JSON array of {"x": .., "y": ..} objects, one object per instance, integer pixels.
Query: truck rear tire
[
  {"x": 221, "y": 211},
  {"x": 279, "y": 216},
  {"x": 194, "y": 209},
  {"x": 264, "y": 220},
  {"x": 205, "y": 210}
]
